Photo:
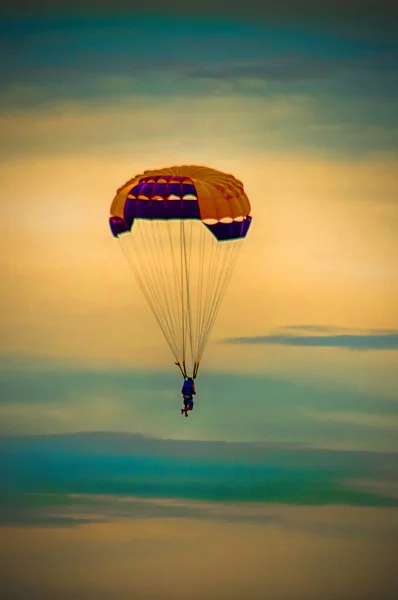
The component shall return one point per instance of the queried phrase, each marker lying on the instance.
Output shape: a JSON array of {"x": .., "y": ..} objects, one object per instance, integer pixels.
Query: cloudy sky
[
  {"x": 297, "y": 407},
  {"x": 301, "y": 106}
]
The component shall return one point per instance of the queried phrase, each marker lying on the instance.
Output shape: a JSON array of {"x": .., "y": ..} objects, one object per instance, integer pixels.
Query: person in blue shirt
[{"x": 188, "y": 391}]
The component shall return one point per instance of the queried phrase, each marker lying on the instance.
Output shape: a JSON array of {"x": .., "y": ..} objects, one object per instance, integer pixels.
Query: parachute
[{"x": 181, "y": 229}]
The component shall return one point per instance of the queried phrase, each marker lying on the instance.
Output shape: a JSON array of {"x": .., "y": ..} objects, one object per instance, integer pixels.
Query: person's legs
[{"x": 188, "y": 404}]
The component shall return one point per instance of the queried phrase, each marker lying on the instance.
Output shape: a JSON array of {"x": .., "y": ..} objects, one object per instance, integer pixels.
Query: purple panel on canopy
[
  {"x": 147, "y": 190},
  {"x": 160, "y": 209},
  {"x": 160, "y": 189},
  {"x": 175, "y": 208},
  {"x": 188, "y": 188},
  {"x": 135, "y": 191},
  {"x": 175, "y": 189},
  {"x": 190, "y": 208},
  {"x": 230, "y": 231},
  {"x": 164, "y": 190},
  {"x": 118, "y": 226},
  {"x": 142, "y": 209}
]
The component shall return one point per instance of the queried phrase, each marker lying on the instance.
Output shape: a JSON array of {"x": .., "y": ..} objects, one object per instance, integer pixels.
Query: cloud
[
  {"x": 334, "y": 329},
  {"x": 295, "y": 67},
  {"x": 344, "y": 91},
  {"x": 231, "y": 125},
  {"x": 375, "y": 17},
  {"x": 374, "y": 421},
  {"x": 70, "y": 510},
  {"x": 381, "y": 486},
  {"x": 373, "y": 340},
  {"x": 134, "y": 70},
  {"x": 87, "y": 58},
  {"x": 59, "y": 400},
  {"x": 155, "y": 121},
  {"x": 122, "y": 464}
]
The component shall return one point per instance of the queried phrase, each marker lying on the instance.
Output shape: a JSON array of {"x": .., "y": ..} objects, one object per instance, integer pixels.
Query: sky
[
  {"x": 284, "y": 475},
  {"x": 302, "y": 109}
]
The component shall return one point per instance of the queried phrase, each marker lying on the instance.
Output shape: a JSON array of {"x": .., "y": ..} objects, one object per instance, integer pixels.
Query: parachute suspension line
[
  {"x": 164, "y": 276},
  {"x": 209, "y": 280},
  {"x": 217, "y": 266},
  {"x": 235, "y": 248},
  {"x": 176, "y": 288},
  {"x": 186, "y": 312},
  {"x": 222, "y": 276},
  {"x": 153, "y": 272},
  {"x": 211, "y": 287},
  {"x": 183, "y": 371},
  {"x": 228, "y": 262},
  {"x": 183, "y": 272},
  {"x": 231, "y": 261},
  {"x": 147, "y": 295},
  {"x": 154, "y": 242},
  {"x": 144, "y": 250},
  {"x": 144, "y": 278},
  {"x": 166, "y": 284},
  {"x": 199, "y": 300},
  {"x": 187, "y": 264},
  {"x": 182, "y": 295}
]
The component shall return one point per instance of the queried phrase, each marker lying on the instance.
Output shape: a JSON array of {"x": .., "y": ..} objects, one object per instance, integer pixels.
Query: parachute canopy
[{"x": 181, "y": 229}]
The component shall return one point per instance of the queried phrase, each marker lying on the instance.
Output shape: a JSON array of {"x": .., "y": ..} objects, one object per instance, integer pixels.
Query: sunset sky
[
  {"x": 299, "y": 103},
  {"x": 303, "y": 111}
]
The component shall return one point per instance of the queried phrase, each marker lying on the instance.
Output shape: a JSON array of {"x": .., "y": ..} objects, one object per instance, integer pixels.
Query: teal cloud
[
  {"x": 141, "y": 466},
  {"x": 346, "y": 86},
  {"x": 349, "y": 341},
  {"x": 375, "y": 17},
  {"x": 70, "y": 50},
  {"x": 229, "y": 407}
]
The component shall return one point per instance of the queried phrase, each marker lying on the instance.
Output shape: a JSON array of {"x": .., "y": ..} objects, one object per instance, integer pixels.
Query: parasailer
[
  {"x": 181, "y": 229},
  {"x": 188, "y": 392}
]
